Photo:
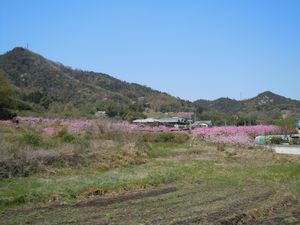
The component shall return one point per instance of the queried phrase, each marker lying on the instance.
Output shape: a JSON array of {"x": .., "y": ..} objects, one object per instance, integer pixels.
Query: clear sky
[{"x": 190, "y": 49}]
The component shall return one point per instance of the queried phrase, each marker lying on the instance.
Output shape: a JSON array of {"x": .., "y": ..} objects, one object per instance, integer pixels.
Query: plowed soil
[{"x": 192, "y": 203}]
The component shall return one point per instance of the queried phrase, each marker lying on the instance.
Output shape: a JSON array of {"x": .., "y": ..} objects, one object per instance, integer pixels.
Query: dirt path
[
  {"x": 122, "y": 198},
  {"x": 287, "y": 149},
  {"x": 191, "y": 203}
]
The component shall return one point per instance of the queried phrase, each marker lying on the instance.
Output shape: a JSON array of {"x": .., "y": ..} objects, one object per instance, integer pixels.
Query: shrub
[
  {"x": 72, "y": 138},
  {"x": 181, "y": 137},
  {"x": 18, "y": 164},
  {"x": 111, "y": 131},
  {"x": 31, "y": 138},
  {"x": 27, "y": 161},
  {"x": 221, "y": 147},
  {"x": 287, "y": 126},
  {"x": 148, "y": 137},
  {"x": 176, "y": 137},
  {"x": 129, "y": 154},
  {"x": 155, "y": 137},
  {"x": 294, "y": 141},
  {"x": 166, "y": 137},
  {"x": 6, "y": 114},
  {"x": 63, "y": 133},
  {"x": 276, "y": 140},
  {"x": 133, "y": 115}
]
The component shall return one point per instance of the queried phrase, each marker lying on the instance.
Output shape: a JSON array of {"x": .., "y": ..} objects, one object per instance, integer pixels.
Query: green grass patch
[
  {"x": 80, "y": 184},
  {"x": 31, "y": 138},
  {"x": 281, "y": 174},
  {"x": 164, "y": 149},
  {"x": 174, "y": 137},
  {"x": 34, "y": 139},
  {"x": 67, "y": 188},
  {"x": 129, "y": 166},
  {"x": 64, "y": 136}
]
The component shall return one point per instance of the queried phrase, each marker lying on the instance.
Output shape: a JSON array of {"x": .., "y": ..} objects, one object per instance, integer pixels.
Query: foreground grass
[
  {"x": 197, "y": 183},
  {"x": 84, "y": 184}
]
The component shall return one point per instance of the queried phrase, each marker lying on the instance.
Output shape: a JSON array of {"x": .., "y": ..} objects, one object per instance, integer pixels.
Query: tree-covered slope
[
  {"x": 263, "y": 107},
  {"x": 44, "y": 82}
]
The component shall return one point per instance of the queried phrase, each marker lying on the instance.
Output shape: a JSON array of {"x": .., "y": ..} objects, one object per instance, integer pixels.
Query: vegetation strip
[
  {"x": 253, "y": 217},
  {"x": 117, "y": 199},
  {"x": 100, "y": 202},
  {"x": 230, "y": 208}
]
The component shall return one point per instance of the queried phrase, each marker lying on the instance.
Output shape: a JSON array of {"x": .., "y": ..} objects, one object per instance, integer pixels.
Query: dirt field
[
  {"x": 199, "y": 202},
  {"x": 182, "y": 185}
]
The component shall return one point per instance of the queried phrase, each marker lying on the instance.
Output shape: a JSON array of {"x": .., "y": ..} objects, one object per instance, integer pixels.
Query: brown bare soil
[
  {"x": 221, "y": 191},
  {"x": 117, "y": 199},
  {"x": 187, "y": 204}
]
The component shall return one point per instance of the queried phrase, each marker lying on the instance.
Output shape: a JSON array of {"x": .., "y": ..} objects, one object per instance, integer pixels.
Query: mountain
[
  {"x": 41, "y": 85},
  {"x": 268, "y": 105},
  {"x": 222, "y": 105},
  {"x": 265, "y": 106},
  {"x": 45, "y": 83}
]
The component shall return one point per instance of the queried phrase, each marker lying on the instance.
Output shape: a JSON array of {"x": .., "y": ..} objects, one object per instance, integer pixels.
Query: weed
[
  {"x": 64, "y": 136},
  {"x": 127, "y": 155},
  {"x": 118, "y": 162},
  {"x": 176, "y": 137},
  {"x": 181, "y": 137},
  {"x": 276, "y": 140},
  {"x": 31, "y": 138},
  {"x": 221, "y": 147}
]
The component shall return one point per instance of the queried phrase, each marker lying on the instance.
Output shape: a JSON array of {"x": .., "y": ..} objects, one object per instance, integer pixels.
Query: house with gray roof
[{"x": 172, "y": 121}]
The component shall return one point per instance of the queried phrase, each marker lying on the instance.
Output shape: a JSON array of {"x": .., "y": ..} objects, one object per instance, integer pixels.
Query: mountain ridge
[
  {"x": 44, "y": 83},
  {"x": 275, "y": 105}
]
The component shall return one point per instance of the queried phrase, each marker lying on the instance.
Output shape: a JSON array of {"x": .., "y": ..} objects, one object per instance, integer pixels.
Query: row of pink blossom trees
[{"x": 243, "y": 135}]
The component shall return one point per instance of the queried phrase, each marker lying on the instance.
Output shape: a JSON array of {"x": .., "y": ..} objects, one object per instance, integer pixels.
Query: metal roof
[
  {"x": 148, "y": 120},
  {"x": 199, "y": 122},
  {"x": 171, "y": 120}
]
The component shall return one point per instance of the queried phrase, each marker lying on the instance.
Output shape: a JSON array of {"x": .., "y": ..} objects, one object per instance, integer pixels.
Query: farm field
[
  {"x": 144, "y": 178},
  {"x": 149, "y": 112}
]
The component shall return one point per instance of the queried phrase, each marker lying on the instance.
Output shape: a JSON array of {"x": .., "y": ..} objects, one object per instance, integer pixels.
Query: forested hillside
[
  {"x": 50, "y": 86},
  {"x": 265, "y": 107},
  {"x": 33, "y": 83}
]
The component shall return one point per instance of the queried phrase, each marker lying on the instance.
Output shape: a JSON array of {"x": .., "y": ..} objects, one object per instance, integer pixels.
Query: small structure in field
[
  {"x": 172, "y": 121},
  {"x": 202, "y": 123},
  {"x": 146, "y": 121},
  {"x": 100, "y": 114}
]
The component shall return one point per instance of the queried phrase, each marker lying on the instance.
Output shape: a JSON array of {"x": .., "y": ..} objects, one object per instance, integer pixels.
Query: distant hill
[
  {"x": 43, "y": 82},
  {"x": 222, "y": 105},
  {"x": 42, "y": 85},
  {"x": 263, "y": 107}
]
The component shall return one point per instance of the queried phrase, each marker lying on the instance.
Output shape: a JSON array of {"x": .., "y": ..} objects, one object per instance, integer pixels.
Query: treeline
[{"x": 7, "y": 103}]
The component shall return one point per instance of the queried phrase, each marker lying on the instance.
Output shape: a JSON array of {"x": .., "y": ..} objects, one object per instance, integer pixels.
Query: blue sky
[{"x": 191, "y": 49}]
